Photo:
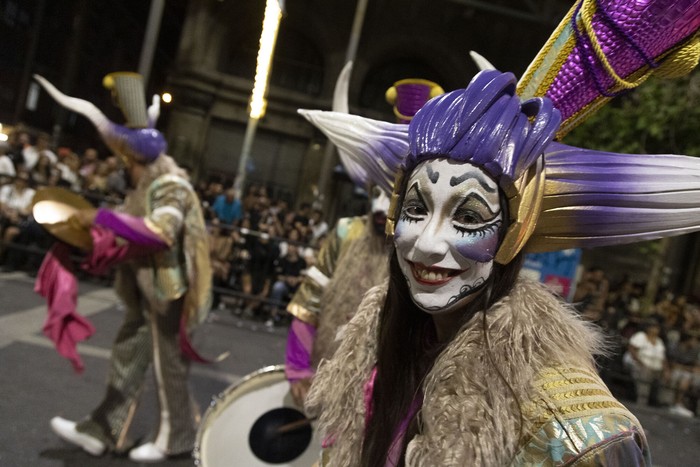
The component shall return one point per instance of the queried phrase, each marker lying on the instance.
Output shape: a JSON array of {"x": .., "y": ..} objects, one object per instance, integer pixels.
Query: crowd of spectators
[
  {"x": 260, "y": 247},
  {"x": 656, "y": 347},
  {"x": 28, "y": 162}
]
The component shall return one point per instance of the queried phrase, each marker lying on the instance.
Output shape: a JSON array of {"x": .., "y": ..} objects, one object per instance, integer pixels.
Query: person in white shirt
[
  {"x": 42, "y": 147},
  {"x": 15, "y": 207},
  {"x": 646, "y": 360},
  {"x": 7, "y": 168}
]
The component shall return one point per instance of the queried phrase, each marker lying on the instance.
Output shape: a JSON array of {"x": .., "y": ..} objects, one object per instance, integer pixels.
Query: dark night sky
[{"x": 76, "y": 58}]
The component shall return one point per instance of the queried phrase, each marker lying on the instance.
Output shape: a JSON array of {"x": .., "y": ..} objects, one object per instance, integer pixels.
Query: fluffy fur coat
[{"x": 528, "y": 331}]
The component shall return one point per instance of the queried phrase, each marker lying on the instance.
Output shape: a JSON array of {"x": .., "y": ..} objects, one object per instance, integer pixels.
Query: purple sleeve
[
  {"x": 300, "y": 342},
  {"x": 131, "y": 228}
]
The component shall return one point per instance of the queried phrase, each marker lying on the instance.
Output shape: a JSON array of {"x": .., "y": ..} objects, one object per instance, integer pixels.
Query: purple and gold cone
[{"x": 602, "y": 44}]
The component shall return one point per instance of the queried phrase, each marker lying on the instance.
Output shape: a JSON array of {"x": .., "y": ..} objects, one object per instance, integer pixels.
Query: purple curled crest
[
  {"x": 145, "y": 144},
  {"x": 141, "y": 144},
  {"x": 486, "y": 125}
]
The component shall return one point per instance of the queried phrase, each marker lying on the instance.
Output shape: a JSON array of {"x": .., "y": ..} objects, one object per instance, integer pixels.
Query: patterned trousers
[{"x": 146, "y": 337}]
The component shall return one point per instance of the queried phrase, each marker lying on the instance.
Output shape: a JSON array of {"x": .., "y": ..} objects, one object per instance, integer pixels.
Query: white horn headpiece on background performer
[{"x": 138, "y": 140}]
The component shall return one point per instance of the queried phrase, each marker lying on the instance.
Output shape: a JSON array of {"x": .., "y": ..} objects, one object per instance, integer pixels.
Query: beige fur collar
[{"x": 469, "y": 415}]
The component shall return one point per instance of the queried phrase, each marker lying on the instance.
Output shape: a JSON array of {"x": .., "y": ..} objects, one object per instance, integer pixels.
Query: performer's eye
[
  {"x": 480, "y": 231},
  {"x": 413, "y": 211}
]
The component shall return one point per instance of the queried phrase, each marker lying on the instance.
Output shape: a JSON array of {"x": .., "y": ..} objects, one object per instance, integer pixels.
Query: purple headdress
[
  {"x": 485, "y": 124},
  {"x": 558, "y": 196},
  {"x": 138, "y": 140}
]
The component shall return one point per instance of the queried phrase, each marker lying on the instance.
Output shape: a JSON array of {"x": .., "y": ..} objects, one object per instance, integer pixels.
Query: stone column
[{"x": 195, "y": 83}]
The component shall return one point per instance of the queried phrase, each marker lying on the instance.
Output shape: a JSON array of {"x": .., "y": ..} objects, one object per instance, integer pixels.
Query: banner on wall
[{"x": 556, "y": 269}]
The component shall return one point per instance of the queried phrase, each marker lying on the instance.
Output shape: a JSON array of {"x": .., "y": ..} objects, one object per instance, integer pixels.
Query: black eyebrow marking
[
  {"x": 454, "y": 181},
  {"x": 433, "y": 176},
  {"x": 482, "y": 201},
  {"x": 415, "y": 188}
]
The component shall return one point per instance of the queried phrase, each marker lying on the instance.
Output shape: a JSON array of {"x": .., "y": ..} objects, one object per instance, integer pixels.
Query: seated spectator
[
  {"x": 89, "y": 163},
  {"x": 263, "y": 250},
  {"x": 15, "y": 209},
  {"x": 251, "y": 197},
  {"x": 116, "y": 181},
  {"x": 69, "y": 166},
  {"x": 220, "y": 246},
  {"x": 301, "y": 219},
  {"x": 97, "y": 181},
  {"x": 591, "y": 294},
  {"x": 289, "y": 269},
  {"x": 227, "y": 207},
  {"x": 240, "y": 255},
  {"x": 646, "y": 360},
  {"x": 32, "y": 154},
  {"x": 684, "y": 361},
  {"x": 19, "y": 140},
  {"x": 7, "y": 168},
  {"x": 319, "y": 227},
  {"x": 44, "y": 171}
]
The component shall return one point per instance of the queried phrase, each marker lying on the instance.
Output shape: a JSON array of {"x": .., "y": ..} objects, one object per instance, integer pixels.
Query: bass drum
[{"x": 256, "y": 423}]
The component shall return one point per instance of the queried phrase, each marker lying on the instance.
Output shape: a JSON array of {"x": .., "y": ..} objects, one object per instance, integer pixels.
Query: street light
[{"x": 258, "y": 103}]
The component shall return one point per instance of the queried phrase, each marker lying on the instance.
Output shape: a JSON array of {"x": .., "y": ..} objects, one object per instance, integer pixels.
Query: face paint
[{"x": 447, "y": 233}]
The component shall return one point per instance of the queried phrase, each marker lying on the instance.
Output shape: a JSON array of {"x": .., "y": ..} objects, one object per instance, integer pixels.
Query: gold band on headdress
[
  {"x": 393, "y": 213},
  {"x": 524, "y": 205}
]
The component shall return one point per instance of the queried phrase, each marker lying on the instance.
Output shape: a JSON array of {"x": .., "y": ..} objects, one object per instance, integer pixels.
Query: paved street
[{"x": 38, "y": 384}]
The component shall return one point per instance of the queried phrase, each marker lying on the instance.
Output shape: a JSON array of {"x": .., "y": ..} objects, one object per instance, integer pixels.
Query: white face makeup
[
  {"x": 447, "y": 233},
  {"x": 380, "y": 206}
]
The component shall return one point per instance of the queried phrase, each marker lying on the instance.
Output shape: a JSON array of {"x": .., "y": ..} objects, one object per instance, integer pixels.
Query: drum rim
[{"x": 196, "y": 451}]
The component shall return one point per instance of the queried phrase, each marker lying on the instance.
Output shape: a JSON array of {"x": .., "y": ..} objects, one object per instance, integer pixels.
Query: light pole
[
  {"x": 258, "y": 103},
  {"x": 150, "y": 39},
  {"x": 329, "y": 149}
]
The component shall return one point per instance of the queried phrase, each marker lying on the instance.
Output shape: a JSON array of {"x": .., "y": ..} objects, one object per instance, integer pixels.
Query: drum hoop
[{"x": 196, "y": 452}]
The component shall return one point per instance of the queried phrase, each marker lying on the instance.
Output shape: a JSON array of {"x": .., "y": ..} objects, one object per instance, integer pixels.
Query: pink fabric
[
  {"x": 394, "y": 454},
  {"x": 107, "y": 253},
  {"x": 188, "y": 349},
  {"x": 300, "y": 343},
  {"x": 56, "y": 282},
  {"x": 369, "y": 391}
]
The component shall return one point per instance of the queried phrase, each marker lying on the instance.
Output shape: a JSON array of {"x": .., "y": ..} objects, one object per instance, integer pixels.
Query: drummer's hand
[
  {"x": 299, "y": 389},
  {"x": 84, "y": 218}
]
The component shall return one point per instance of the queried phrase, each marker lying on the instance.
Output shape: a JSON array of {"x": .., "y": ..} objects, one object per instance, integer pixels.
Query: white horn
[{"x": 481, "y": 62}]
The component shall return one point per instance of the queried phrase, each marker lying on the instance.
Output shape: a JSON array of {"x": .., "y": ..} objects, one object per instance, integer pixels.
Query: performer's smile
[{"x": 432, "y": 275}]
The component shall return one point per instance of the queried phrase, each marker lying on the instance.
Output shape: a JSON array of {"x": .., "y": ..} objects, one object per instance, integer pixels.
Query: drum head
[{"x": 256, "y": 423}]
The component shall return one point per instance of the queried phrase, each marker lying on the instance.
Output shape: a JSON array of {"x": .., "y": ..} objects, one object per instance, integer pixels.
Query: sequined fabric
[{"x": 576, "y": 417}]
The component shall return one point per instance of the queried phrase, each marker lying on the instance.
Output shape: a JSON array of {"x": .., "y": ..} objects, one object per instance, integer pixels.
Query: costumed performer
[
  {"x": 456, "y": 361},
  {"x": 164, "y": 281},
  {"x": 353, "y": 257}
]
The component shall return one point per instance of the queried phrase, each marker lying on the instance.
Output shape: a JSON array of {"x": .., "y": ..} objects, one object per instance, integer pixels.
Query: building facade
[{"x": 212, "y": 77}]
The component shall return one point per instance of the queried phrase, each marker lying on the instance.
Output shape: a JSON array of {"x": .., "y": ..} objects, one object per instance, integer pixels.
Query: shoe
[
  {"x": 147, "y": 453},
  {"x": 682, "y": 411},
  {"x": 66, "y": 430}
]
